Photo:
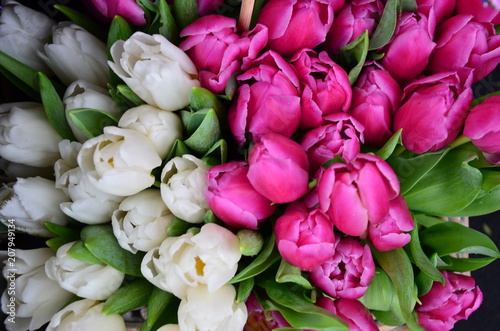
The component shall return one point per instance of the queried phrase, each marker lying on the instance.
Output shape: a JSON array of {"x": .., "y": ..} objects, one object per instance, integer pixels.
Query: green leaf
[
  {"x": 201, "y": 98},
  {"x": 92, "y": 121},
  {"x": 84, "y": 21},
  {"x": 385, "y": 28},
  {"x": 290, "y": 274},
  {"x": 80, "y": 252},
  {"x": 389, "y": 146},
  {"x": 101, "y": 242},
  {"x": 178, "y": 149},
  {"x": 380, "y": 293},
  {"x": 421, "y": 260},
  {"x": 54, "y": 107},
  {"x": 130, "y": 95},
  {"x": 466, "y": 264},
  {"x": 244, "y": 289},
  {"x": 426, "y": 220},
  {"x": 408, "y": 5},
  {"x": 177, "y": 227},
  {"x": 158, "y": 301},
  {"x": 129, "y": 297},
  {"x": 185, "y": 12},
  {"x": 206, "y": 134},
  {"x": 118, "y": 30},
  {"x": 56, "y": 242},
  {"x": 62, "y": 231},
  {"x": 352, "y": 56},
  {"x": 22, "y": 76},
  {"x": 217, "y": 154},
  {"x": 168, "y": 26}
]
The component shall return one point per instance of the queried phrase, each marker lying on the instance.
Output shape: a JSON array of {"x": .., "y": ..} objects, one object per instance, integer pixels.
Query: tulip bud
[
  {"x": 250, "y": 242},
  {"x": 128, "y": 9},
  {"x": 436, "y": 10},
  {"x": 357, "y": 316},
  {"x": 480, "y": 11}
]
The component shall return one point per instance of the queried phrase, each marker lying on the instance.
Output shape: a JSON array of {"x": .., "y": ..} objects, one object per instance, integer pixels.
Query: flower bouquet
[{"x": 247, "y": 165}]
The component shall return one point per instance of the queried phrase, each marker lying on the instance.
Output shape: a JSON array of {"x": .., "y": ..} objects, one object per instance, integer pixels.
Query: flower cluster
[{"x": 271, "y": 171}]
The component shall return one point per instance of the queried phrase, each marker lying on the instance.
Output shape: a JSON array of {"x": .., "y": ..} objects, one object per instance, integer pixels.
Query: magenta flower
[
  {"x": 348, "y": 272},
  {"x": 206, "y": 7},
  {"x": 482, "y": 12},
  {"x": 357, "y": 193},
  {"x": 218, "y": 51},
  {"x": 436, "y": 10},
  {"x": 325, "y": 87},
  {"x": 353, "y": 312},
  {"x": 300, "y": 23},
  {"x": 342, "y": 136},
  {"x": 433, "y": 110},
  {"x": 278, "y": 168},
  {"x": 267, "y": 101},
  {"x": 445, "y": 304},
  {"x": 128, "y": 9},
  {"x": 304, "y": 238},
  {"x": 481, "y": 126},
  {"x": 260, "y": 319},
  {"x": 233, "y": 199},
  {"x": 375, "y": 98}
]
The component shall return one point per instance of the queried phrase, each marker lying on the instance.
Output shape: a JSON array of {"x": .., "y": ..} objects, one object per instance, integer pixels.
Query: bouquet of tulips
[{"x": 247, "y": 165}]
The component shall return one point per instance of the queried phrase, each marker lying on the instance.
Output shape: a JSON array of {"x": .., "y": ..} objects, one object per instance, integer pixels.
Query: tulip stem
[
  {"x": 459, "y": 141},
  {"x": 245, "y": 15},
  {"x": 157, "y": 184}
]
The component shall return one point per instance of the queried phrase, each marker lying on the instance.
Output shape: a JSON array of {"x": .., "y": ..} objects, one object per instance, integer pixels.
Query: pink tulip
[
  {"x": 433, "y": 110},
  {"x": 445, "y": 304},
  {"x": 357, "y": 316},
  {"x": 267, "y": 100},
  {"x": 300, "y": 23},
  {"x": 390, "y": 233},
  {"x": 481, "y": 126},
  {"x": 128, "y": 9},
  {"x": 325, "y": 87},
  {"x": 461, "y": 42},
  {"x": 233, "y": 199},
  {"x": 348, "y": 272},
  {"x": 342, "y": 136},
  {"x": 218, "y": 51},
  {"x": 436, "y": 10},
  {"x": 407, "y": 53},
  {"x": 357, "y": 193},
  {"x": 481, "y": 11},
  {"x": 260, "y": 319},
  {"x": 354, "y": 18},
  {"x": 304, "y": 238},
  {"x": 206, "y": 7},
  {"x": 278, "y": 168},
  {"x": 375, "y": 98}
]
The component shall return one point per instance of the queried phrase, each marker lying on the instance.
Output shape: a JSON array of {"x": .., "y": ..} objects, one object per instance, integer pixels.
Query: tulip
[
  {"x": 31, "y": 202},
  {"x": 183, "y": 187},
  {"x": 161, "y": 127},
  {"x": 348, "y": 272},
  {"x": 26, "y": 136},
  {"x": 209, "y": 258},
  {"x": 479, "y": 47},
  {"x": 90, "y": 281},
  {"x": 375, "y": 98},
  {"x": 119, "y": 161},
  {"x": 402, "y": 59},
  {"x": 480, "y": 11},
  {"x": 159, "y": 72},
  {"x": 76, "y": 54},
  {"x": 357, "y": 193},
  {"x": 342, "y": 136},
  {"x": 436, "y": 10},
  {"x": 205, "y": 310},
  {"x": 82, "y": 94},
  {"x": 140, "y": 222},
  {"x": 84, "y": 315},
  {"x": 301, "y": 24},
  {"x": 357, "y": 316},
  {"x": 267, "y": 100},
  {"x": 433, "y": 110},
  {"x": 218, "y": 51},
  {"x": 325, "y": 87},
  {"x": 390, "y": 233},
  {"x": 304, "y": 238},
  {"x": 170, "y": 327},
  {"x": 36, "y": 297},
  {"x": 446, "y": 304},
  {"x": 258, "y": 317},
  {"x": 69, "y": 152},
  {"x": 355, "y": 17},
  {"x": 233, "y": 199},
  {"x": 272, "y": 163},
  {"x": 128, "y": 9},
  {"x": 23, "y": 33},
  {"x": 481, "y": 127}
]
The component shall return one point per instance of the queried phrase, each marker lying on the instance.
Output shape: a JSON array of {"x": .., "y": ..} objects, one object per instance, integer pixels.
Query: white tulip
[
  {"x": 162, "y": 127},
  {"x": 119, "y": 162},
  {"x": 203, "y": 310},
  {"x": 23, "y": 33},
  {"x": 26, "y": 135},
  {"x": 76, "y": 54},
  {"x": 159, "y": 72},
  {"x": 32, "y": 202},
  {"x": 169, "y": 327},
  {"x": 208, "y": 258},
  {"x": 30, "y": 296},
  {"x": 141, "y": 221},
  {"x": 69, "y": 151},
  {"x": 90, "y": 281},
  {"x": 85, "y": 315},
  {"x": 83, "y": 94},
  {"x": 183, "y": 186}
]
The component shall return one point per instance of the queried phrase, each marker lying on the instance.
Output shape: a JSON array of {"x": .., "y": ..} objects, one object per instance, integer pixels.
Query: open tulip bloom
[{"x": 223, "y": 166}]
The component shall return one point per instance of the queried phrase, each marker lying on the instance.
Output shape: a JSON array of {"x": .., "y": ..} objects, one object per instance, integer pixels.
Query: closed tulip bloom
[
  {"x": 267, "y": 101},
  {"x": 446, "y": 304},
  {"x": 324, "y": 84},
  {"x": 433, "y": 110},
  {"x": 357, "y": 316},
  {"x": 257, "y": 316},
  {"x": 480, "y": 11},
  {"x": 304, "y": 238},
  {"x": 348, "y": 272},
  {"x": 436, "y": 10},
  {"x": 481, "y": 126},
  {"x": 273, "y": 162},
  {"x": 233, "y": 199},
  {"x": 128, "y": 9},
  {"x": 301, "y": 24}
]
